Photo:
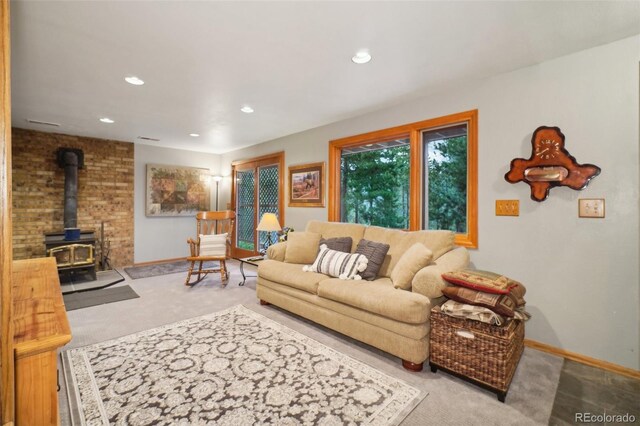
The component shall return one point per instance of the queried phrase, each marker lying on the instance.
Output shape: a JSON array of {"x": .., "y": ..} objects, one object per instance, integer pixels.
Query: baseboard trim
[
  {"x": 593, "y": 362},
  {"x": 157, "y": 262}
]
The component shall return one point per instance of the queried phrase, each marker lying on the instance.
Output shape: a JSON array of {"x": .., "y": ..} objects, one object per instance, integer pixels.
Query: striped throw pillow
[
  {"x": 345, "y": 266},
  {"x": 213, "y": 245}
]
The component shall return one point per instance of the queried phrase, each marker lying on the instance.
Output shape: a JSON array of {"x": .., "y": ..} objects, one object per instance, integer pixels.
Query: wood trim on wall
[
  {"x": 413, "y": 131},
  {"x": 159, "y": 261},
  {"x": 415, "y": 181},
  {"x": 583, "y": 359},
  {"x": 262, "y": 158},
  {"x": 471, "y": 239},
  {"x": 7, "y": 406}
]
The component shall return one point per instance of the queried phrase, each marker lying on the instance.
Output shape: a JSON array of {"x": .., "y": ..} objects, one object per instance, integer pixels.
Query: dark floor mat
[
  {"x": 147, "y": 271},
  {"x": 86, "y": 299},
  {"x": 104, "y": 279}
]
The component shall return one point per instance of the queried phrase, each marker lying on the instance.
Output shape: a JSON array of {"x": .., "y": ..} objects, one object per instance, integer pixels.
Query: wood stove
[
  {"x": 75, "y": 259},
  {"x": 73, "y": 249}
]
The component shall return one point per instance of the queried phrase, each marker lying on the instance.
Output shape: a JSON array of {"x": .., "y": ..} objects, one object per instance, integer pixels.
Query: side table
[{"x": 253, "y": 261}]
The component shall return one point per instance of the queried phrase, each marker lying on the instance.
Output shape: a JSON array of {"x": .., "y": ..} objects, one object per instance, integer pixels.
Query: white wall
[
  {"x": 157, "y": 238},
  {"x": 582, "y": 274}
]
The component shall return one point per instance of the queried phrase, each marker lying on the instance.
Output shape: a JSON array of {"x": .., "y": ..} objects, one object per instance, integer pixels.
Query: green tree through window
[
  {"x": 447, "y": 184},
  {"x": 375, "y": 186}
]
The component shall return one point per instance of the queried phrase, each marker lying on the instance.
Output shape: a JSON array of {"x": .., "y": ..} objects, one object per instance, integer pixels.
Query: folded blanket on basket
[{"x": 479, "y": 313}]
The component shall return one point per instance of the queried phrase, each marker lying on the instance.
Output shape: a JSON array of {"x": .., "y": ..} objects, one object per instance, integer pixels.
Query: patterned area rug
[
  {"x": 234, "y": 367},
  {"x": 136, "y": 272}
]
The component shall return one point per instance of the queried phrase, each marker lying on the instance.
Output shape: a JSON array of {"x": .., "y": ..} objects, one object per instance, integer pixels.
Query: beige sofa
[{"x": 374, "y": 312}]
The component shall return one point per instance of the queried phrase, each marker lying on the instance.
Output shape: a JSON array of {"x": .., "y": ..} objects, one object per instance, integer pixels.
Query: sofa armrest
[
  {"x": 428, "y": 281},
  {"x": 277, "y": 251}
]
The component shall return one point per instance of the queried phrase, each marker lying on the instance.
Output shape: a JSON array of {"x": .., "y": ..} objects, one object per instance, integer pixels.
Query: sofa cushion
[
  {"x": 375, "y": 253},
  {"x": 337, "y": 229},
  {"x": 290, "y": 274},
  {"x": 439, "y": 242},
  {"x": 428, "y": 281},
  {"x": 277, "y": 251},
  {"x": 339, "y": 243},
  {"x": 378, "y": 297},
  {"x": 414, "y": 259},
  {"x": 307, "y": 302},
  {"x": 346, "y": 266},
  {"x": 302, "y": 247}
]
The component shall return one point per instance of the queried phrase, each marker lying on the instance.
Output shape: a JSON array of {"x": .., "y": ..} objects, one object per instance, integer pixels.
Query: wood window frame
[
  {"x": 416, "y": 169},
  {"x": 263, "y": 160}
]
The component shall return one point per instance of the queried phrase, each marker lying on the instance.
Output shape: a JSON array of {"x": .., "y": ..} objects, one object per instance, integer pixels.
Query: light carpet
[
  {"x": 165, "y": 299},
  {"x": 234, "y": 367}
]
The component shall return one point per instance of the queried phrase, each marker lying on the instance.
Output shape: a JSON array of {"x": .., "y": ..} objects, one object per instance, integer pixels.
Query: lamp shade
[
  {"x": 217, "y": 178},
  {"x": 269, "y": 222}
]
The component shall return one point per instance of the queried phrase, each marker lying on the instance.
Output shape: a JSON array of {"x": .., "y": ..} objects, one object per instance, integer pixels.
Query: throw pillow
[
  {"x": 502, "y": 304},
  {"x": 417, "y": 257},
  {"x": 518, "y": 293},
  {"x": 481, "y": 280},
  {"x": 339, "y": 244},
  {"x": 302, "y": 247},
  {"x": 213, "y": 245},
  {"x": 375, "y": 253},
  {"x": 338, "y": 264}
]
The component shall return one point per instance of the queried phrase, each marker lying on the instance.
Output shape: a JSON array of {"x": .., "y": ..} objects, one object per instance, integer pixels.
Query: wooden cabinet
[{"x": 40, "y": 328}]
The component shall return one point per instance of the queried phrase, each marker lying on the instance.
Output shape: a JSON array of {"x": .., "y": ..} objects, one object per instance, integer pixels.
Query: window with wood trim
[
  {"x": 420, "y": 175},
  {"x": 258, "y": 188}
]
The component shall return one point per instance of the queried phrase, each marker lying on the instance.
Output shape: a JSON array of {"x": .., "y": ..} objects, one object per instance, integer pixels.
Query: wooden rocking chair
[{"x": 211, "y": 223}]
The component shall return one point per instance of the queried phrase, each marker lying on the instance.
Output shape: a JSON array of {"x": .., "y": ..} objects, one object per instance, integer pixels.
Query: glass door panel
[
  {"x": 245, "y": 213},
  {"x": 269, "y": 198}
]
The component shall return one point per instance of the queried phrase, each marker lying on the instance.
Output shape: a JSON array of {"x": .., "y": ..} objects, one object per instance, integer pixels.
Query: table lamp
[{"x": 268, "y": 223}]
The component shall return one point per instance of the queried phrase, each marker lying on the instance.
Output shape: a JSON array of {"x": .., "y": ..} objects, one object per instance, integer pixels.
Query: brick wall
[{"x": 105, "y": 191}]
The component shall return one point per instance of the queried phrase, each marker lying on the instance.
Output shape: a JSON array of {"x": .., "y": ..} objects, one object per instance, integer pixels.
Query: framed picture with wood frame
[
  {"x": 306, "y": 185},
  {"x": 176, "y": 190}
]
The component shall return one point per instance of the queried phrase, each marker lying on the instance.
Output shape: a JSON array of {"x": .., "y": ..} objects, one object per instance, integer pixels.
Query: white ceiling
[{"x": 290, "y": 61}]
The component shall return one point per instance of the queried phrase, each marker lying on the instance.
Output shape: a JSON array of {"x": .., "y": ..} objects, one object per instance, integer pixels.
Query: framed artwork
[
  {"x": 176, "y": 190},
  {"x": 306, "y": 185}
]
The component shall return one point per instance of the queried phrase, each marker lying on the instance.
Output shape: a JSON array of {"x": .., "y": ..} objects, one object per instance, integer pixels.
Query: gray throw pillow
[
  {"x": 375, "y": 252},
  {"x": 338, "y": 244}
]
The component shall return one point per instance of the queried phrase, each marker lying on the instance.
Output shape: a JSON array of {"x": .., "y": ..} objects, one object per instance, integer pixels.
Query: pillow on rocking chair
[{"x": 213, "y": 245}]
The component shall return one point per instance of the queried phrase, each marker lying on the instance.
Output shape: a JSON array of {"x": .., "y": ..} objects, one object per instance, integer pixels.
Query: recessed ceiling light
[
  {"x": 194, "y": 135},
  {"x": 107, "y": 120},
  {"x": 134, "y": 80},
  {"x": 362, "y": 57},
  {"x": 246, "y": 109}
]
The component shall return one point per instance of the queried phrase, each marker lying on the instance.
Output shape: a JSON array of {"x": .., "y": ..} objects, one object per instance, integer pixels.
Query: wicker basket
[{"x": 485, "y": 354}]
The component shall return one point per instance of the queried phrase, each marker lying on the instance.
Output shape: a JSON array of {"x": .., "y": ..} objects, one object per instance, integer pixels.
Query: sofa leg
[
  {"x": 262, "y": 302},
  {"x": 412, "y": 366}
]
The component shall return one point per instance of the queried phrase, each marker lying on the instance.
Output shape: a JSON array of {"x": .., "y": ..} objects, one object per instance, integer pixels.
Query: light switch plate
[
  {"x": 591, "y": 207},
  {"x": 507, "y": 207}
]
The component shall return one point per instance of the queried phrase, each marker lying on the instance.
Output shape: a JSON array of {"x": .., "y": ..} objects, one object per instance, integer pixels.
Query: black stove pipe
[
  {"x": 71, "y": 160},
  {"x": 70, "y": 190}
]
